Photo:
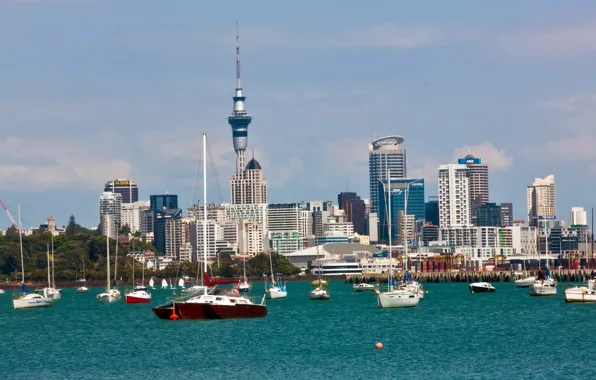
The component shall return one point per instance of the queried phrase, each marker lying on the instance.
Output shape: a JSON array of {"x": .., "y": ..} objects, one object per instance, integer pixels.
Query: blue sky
[{"x": 98, "y": 89}]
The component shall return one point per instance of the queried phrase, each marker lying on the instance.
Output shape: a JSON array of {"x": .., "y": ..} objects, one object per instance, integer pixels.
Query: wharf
[{"x": 561, "y": 275}]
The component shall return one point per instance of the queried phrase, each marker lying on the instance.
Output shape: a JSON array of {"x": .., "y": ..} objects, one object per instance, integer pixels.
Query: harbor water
[{"x": 452, "y": 334}]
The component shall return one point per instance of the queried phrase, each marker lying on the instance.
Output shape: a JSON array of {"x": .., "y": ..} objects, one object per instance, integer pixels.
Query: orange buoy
[
  {"x": 379, "y": 345},
  {"x": 174, "y": 317}
]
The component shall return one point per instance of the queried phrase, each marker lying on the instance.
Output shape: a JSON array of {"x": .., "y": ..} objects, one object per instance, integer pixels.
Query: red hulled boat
[
  {"x": 222, "y": 304},
  {"x": 138, "y": 296}
]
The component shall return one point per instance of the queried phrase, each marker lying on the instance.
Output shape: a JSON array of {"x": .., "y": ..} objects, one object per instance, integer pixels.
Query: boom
[{"x": 7, "y": 211}]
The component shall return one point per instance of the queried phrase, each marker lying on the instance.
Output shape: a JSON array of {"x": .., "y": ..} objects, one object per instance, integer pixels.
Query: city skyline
[{"x": 80, "y": 114}]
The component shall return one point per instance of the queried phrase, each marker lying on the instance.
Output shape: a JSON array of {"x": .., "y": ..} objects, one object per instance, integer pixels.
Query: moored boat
[
  {"x": 481, "y": 287},
  {"x": 82, "y": 289},
  {"x": 138, "y": 296},
  {"x": 319, "y": 282},
  {"x": 363, "y": 287},
  {"x": 544, "y": 285},
  {"x": 110, "y": 295},
  {"x": 397, "y": 298},
  {"x": 525, "y": 282},
  {"x": 319, "y": 294},
  {"x": 581, "y": 293},
  {"x": 31, "y": 300}
]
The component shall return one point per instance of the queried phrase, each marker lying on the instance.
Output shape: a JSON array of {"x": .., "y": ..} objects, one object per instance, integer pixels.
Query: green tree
[{"x": 72, "y": 226}]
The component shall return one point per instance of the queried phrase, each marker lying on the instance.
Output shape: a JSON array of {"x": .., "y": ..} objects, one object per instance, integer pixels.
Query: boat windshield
[{"x": 230, "y": 292}]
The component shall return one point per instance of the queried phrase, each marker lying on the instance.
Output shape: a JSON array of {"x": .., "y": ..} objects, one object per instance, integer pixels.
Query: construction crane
[{"x": 7, "y": 211}]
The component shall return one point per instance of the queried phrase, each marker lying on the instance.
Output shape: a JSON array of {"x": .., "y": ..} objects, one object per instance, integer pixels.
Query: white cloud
[
  {"x": 554, "y": 42},
  {"x": 497, "y": 159},
  {"x": 52, "y": 164}
]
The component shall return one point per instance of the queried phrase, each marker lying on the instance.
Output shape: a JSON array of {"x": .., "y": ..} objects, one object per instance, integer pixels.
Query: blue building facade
[{"x": 397, "y": 191}]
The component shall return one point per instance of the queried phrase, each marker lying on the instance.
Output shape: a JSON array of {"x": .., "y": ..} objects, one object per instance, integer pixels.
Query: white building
[
  {"x": 110, "y": 204},
  {"x": 333, "y": 227},
  {"x": 285, "y": 227},
  {"x": 524, "y": 239},
  {"x": 252, "y": 226},
  {"x": 541, "y": 200},
  {"x": 454, "y": 202},
  {"x": 373, "y": 227},
  {"x": 579, "y": 216},
  {"x": 214, "y": 233},
  {"x": 130, "y": 214},
  {"x": 406, "y": 227},
  {"x": 173, "y": 235},
  {"x": 248, "y": 186},
  {"x": 186, "y": 252},
  {"x": 484, "y": 242}
]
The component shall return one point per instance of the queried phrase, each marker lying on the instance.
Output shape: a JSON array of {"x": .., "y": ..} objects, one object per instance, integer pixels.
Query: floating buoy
[
  {"x": 174, "y": 317},
  {"x": 379, "y": 345}
]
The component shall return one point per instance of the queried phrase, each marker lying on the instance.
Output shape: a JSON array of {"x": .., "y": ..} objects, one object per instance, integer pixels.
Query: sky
[{"x": 92, "y": 90}]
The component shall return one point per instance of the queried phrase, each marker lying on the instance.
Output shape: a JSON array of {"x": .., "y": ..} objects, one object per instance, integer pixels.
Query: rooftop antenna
[{"x": 238, "y": 85}]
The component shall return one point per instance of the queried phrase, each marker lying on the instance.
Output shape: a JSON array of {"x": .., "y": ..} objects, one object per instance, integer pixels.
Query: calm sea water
[{"x": 452, "y": 334}]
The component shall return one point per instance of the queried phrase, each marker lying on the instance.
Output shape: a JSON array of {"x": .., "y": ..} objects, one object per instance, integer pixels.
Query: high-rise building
[
  {"x": 506, "y": 214},
  {"x": 355, "y": 210},
  {"x": 247, "y": 185},
  {"x": 167, "y": 231},
  {"x": 163, "y": 201},
  {"x": 214, "y": 233},
  {"x": 454, "y": 203},
  {"x": 579, "y": 216},
  {"x": 384, "y": 154},
  {"x": 131, "y": 214},
  {"x": 398, "y": 190},
  {"x": 488, "y": 215},
  {"x": 252, "y": 226},
  {"x": 285, "y": 226},
  {"x": 477, "y": 183},
  {"x": 110, "y": 204},
  {"x": 320, "y": 211},
  {"x": 126, "y": 188},
  {"x": 431, "y": 211},
  {"x": 541, "y": 200}
]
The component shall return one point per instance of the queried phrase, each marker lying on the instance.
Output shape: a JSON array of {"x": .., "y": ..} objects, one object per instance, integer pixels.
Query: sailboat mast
[
  {"x": 116, "y": 258},
  {"x": 271, "y": 264},
  {"x": 49, "y": 281},
  {"x": 407, "y": 228},
  {"x": 390, "y": 278},
  {"x": 21, "y": 244},
  {"x": 108, "y": 256},
  {"x": 53, "y": 278},
  {"x": 205, "y": 207}
]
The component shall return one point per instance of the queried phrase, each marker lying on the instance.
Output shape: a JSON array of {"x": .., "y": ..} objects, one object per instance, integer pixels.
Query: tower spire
[{"x": 238, "y": 84}]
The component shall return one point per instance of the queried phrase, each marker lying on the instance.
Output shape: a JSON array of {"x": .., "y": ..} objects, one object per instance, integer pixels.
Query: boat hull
[
  {"x": 525, "y": 282},
  {"x": 82, "y": 289},
  {"x": 542, "y": 291},
  {"x": 276, "y": 294},
  {"x": 165, "y": 311},
  {"x": 133, "y": 299},
  {"x": 580, "y": 295},
  {"x": 393, "y": 300},
  {"x": 239, "y": 311},
  {"x": 481, "y": 288},
  {"x": 319, "y": 283},
  {"x": 362, "y": 289},
  {"x": 23, "y": 303},
  {"x": 322, "y": 297},
  {"x": 194, "y": 310}
]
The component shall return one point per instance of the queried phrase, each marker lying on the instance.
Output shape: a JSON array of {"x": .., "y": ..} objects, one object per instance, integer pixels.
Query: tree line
[{"x": 82, "y": 253}]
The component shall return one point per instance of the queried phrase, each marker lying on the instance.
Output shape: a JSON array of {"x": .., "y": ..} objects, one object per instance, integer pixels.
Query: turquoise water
[{"x": 452, "y": 334}]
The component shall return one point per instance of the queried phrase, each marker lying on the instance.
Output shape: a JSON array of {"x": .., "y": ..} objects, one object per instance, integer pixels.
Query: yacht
[
  {"x": 363, "y": 287},
  {"x": 319, "y": 294},
  {"x": 582, "y": 293},
  {"x": 525, "y": 282},
  {"x": 110, "y": 295},
  {"x": 396, "y": 298},
  {"x": 138, "y": 296},
  {"x": 481, "y": 287},
  {"x": 277, "y": 289},
  {"x": 544, "y": 285}
]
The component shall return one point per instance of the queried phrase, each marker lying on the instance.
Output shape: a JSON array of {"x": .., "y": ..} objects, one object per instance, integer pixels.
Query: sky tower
[{"x": 239, "y": 119}]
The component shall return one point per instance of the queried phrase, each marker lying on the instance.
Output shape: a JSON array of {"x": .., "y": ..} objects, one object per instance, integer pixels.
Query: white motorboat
[
  {"x": 82, "y": 289},
  {"x": 525, "y": 282},
  {"x": 109, "y": 296},
  {"x": 581, "y": 293},
  {"x": 31, "y": 300},
  {"x": 319, "y": 294},
  {"x": 1, "y": 291},
  {"x": 481, "y": 287},
  {"x": 363, "y": 287}
]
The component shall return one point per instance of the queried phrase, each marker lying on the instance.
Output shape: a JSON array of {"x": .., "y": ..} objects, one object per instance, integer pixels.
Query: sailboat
[
  {"x": 319, "y": 293},
  {"x": 545, "y": 285},
  {"x": 395, "y": 297},
  {"x": 164, "y": 284},
  {"x": 110, "y": 295},
  {"x": 222, "y": 303},
  {"x": 244, "y": 286},
  {"x": 181, "y": 282},
  {"x": 83, "y": 289},
  {"x": 151, "y": 283},
  {"x": 51, "y": 290},
  {"x": 142, "y": 286},
  {"x": 275, "y": 291},
  {"x": 137, "y": 296},
  {"x": 28, "y": 300}
]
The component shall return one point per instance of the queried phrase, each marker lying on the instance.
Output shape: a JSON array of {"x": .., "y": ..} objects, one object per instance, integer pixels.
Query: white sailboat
[
  {"x": 394, "y": 297},
  {"x": 164, "y": 284},
  {"x": 244, "y": 285},
  {"x": 137, "y": 296},
  {"x": 142, "y": 286},
  {"x": 276, "y": 290},
  {"x": 544, "y": 285},
  {"x": 83, "y": 288},
  {"x": 28, "y": 300},
  {"x": 110, "y": 295},
  {"x": 181, "y": 282},
  {"x": 151, "y": 283}
]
